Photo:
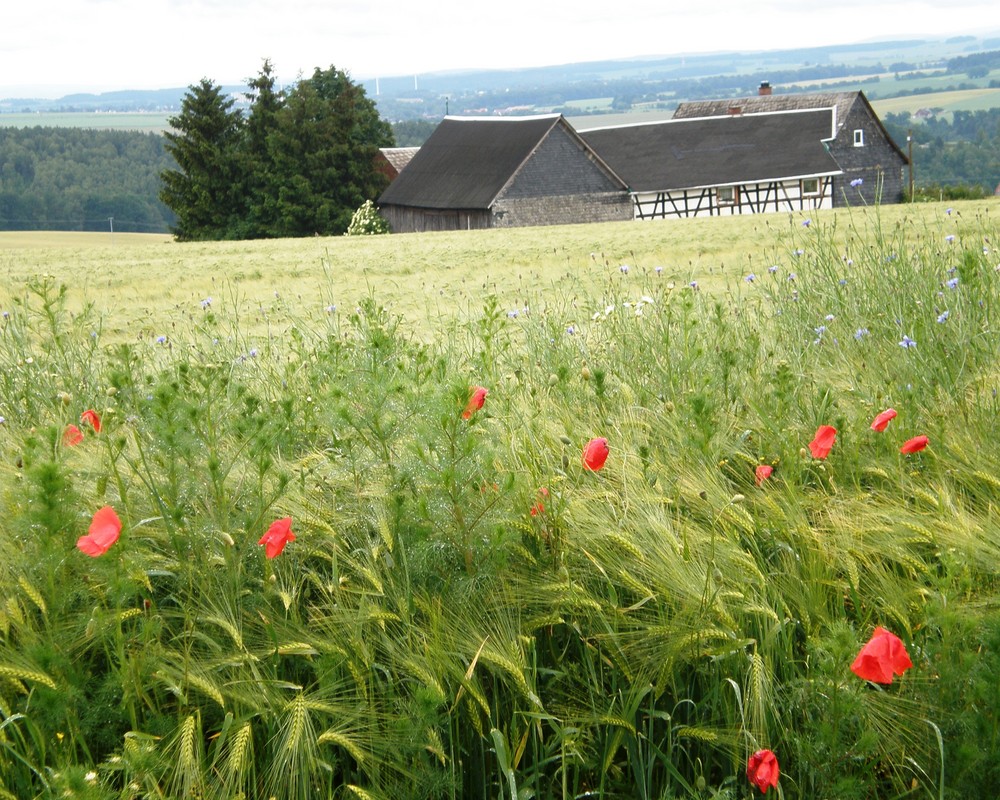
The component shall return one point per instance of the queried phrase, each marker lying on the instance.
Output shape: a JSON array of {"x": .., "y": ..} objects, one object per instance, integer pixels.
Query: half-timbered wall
[{"x": 752, "y": 198}]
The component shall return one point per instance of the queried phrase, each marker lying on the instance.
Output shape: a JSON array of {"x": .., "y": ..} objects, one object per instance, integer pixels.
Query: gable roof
[
  {"x": 718, "y": 151},
  {"x": 842, "y": 102},
  {"x": 467, "y": 161},
  {"x": 398, "y": 157}
]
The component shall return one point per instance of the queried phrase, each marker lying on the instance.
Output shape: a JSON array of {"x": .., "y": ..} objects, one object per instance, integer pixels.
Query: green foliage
[
  {"x": 367, "y": 221},
  {"x": 203, "y": 190},
  {"x": 297, "y": 165},
  {"x": 67, "y": 179},
  {"x": 442, "y": 628}
]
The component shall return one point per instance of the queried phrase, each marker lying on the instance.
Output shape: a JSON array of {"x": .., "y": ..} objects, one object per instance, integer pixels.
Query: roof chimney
[{"x": 765, "y": 89}]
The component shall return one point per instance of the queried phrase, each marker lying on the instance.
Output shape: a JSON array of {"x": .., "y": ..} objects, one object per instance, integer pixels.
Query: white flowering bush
[{"x": 367, "y": 221}]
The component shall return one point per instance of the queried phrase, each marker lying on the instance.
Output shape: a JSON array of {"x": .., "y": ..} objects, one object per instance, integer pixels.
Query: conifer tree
[
  {"x": 324, "y": 146},
  {"x": 203, "y": 192}
]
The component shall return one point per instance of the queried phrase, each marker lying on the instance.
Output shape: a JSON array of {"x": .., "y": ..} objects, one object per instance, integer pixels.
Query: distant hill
[{"x": 618, "y": 85}]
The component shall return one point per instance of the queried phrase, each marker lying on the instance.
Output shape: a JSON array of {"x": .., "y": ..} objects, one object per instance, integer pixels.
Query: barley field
[{"x": 695, "y": 509}]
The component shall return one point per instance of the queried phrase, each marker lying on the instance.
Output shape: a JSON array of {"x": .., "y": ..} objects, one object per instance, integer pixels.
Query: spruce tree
[
  {"x": 257, "y": 160},
  {"x": 204, "y": 191}
]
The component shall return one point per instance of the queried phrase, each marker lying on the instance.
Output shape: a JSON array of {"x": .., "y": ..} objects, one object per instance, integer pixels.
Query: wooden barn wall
[
  {"x": 878, "y": 165},
  {"x": 405, "y": 219},
  {"x": 753, "y": 198}
]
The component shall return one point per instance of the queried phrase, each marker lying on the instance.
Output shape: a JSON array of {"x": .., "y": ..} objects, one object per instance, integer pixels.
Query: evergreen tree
[
  {"x": 324, "y": 146},
  {"x": 259, "y": 172},
  {"x": 204, "y": 192}
]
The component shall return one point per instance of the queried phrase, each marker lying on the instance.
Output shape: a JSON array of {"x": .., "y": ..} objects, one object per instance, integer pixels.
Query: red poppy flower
[
  {"x": 822, "y": 442},
  {"x": 91, "y": 418},
  {"x": 762, "y": 473},
  {"x": 883, "y": 655},
  {"x": 539, "y": 507},
  {"x": 103, "y": 532},
  {"x": 882, "y": 420},
  {"x": 762, "y": 770},
  {"x": 277, "y": 536},
  {"x": 914, "y": 445},
  {"x": 72, "y": 436},
  {"x": 476, "y": 400},
  {"x": 595, "y": 454}
]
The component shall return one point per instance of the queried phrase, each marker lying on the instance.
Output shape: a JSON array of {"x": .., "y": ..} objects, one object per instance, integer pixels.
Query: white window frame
[
  {"x": 814, "y": 192},
  {"x": 859, "y": 137},
  {"x": 733, "y": 197}
]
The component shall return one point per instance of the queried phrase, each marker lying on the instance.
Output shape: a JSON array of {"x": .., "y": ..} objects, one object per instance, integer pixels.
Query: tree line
[
  {"x": 75, "y": 179},
  {"x": 960, "y": 154},
  {"x": 297, "y": 162}
]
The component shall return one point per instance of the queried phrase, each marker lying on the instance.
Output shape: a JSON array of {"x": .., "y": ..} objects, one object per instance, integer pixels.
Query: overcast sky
[{"x": 51, "y": 47}]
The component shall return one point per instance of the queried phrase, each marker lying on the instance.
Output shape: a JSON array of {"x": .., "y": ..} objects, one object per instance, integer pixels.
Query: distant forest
[
  {"x": 956, "y": 158},
  {"x": 78, "y": 180}
]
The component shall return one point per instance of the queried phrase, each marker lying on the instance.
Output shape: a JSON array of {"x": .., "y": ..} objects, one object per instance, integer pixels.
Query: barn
[
  {"x": 502, "y": 172},
  {"x": 721, "y": 166},
  {"x": 871, "y": 163}
]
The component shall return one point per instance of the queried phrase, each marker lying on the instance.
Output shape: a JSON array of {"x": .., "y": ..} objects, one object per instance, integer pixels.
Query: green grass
[{"x": 425, "y": 635}]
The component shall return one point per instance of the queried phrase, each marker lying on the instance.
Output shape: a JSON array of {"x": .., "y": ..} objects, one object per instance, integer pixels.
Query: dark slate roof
[
  {"x": 843, "y": 102},
  {"x": 466, "y": 162},
  {"x": 763, "y": 104},
  {"x": 717, "y": 151}
]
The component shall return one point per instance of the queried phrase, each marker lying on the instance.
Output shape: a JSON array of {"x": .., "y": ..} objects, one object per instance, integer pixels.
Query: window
[
  {"x": 810, "y": 186},
  {"x": 859, "y": 137},
  {"x": 727, "y": 195}
]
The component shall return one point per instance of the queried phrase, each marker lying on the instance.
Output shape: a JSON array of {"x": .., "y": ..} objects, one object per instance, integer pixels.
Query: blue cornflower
[
  {"x": 943, "y": 318},
  {"x": 206, "y": 302},
  {"x": 693, "y": 284},
  {"x": 820, "y": 330},
  {"x": 950, "y": 237},
  {"x": 659, "y": 270},
  {"x": 798, "y": 252},
  {"x": 792, "y": 276},
  {"x": 624, "y": 269},
  {"x": 161, "y": 339},
  {"x": 253, "y": 353},
  {"x": 806, "y": 223},
  {"x": 952, "y": 284},
  {"x": 842, "y": 281},
  {"x": 750, "y": 278},
  {"x": 570, "y": 330},
  {"x": 830, "y": 318},
  {"x": 907, "y": 342},
  {"x": 861, "y": 333},
  {"x": 773, "y": 268},
  {"x": 857, "y": 182}
]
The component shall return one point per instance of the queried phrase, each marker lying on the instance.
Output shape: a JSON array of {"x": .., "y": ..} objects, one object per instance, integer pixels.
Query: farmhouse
[
  {"x": 719, "y": 166},
  {"x": 503, "y": 172},
  {"x": 871, "y": 163}
]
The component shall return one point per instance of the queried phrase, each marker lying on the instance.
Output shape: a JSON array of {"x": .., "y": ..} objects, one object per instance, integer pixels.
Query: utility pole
[
  {"x": 111, "y": 222},
  {"x": 909, "y": 155}
]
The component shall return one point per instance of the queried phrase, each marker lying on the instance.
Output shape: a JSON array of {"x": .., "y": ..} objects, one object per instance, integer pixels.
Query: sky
[{"x": 49, "y": 48}]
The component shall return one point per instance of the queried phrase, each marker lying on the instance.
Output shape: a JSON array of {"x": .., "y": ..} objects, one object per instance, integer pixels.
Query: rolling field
[
  {"x": 141, "y": 282},
  {"x": 692, "y": 509}
]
